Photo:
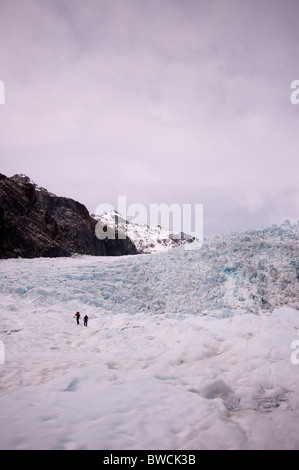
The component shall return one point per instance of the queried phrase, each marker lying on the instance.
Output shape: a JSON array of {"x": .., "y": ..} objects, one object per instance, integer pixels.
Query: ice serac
[{"x": 37, "y": 223}]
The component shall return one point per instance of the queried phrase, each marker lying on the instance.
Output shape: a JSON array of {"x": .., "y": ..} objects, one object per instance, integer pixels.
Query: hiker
[
  {"x": 85, "y": 320},
  {"x": 77, "y": 316}
]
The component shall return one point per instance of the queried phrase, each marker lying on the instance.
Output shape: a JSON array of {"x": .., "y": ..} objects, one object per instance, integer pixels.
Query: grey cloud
[{"x": 155, "y": 100}]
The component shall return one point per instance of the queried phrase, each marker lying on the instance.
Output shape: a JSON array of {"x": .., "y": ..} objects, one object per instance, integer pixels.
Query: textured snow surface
[{"x": 183, "y": 350}]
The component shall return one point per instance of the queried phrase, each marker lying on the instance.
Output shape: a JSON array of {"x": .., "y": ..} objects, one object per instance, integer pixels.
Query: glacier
[{"x": 183, "y": 349}]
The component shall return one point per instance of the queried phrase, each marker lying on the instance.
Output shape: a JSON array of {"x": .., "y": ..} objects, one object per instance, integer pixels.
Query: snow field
[
  {"x": 132, "y": 383},
  {"x": 161, "y": 365}
]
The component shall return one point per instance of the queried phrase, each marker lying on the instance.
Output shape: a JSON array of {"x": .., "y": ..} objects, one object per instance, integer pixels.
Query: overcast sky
[{"x": 163, "y": 101}]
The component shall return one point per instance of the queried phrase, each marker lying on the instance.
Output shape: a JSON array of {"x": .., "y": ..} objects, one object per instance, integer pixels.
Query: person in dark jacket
[
  {"x": 77, "y": 316},
  {"x": 85, "y": 320}
]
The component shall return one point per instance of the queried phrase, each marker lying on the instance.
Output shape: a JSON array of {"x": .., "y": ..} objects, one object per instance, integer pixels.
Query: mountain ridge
[
  {"x": 37, "y": 223},
  {"x": 146, "y": 239}
]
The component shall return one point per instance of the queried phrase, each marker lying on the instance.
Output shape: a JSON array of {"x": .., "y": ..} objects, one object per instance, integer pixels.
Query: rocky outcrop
[{"x": 36, "y": 223}]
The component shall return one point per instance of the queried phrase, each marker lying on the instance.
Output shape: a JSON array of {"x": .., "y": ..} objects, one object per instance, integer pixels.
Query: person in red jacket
[{"x": 77, "y": 316}]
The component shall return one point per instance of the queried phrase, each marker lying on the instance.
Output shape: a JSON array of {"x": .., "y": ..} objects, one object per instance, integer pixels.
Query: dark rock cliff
[{"x": 36, "y": 223}]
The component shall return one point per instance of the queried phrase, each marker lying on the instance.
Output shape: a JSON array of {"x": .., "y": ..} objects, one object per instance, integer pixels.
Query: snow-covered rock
[
  {"x": 146, "y": 239},
  {"x": 22, "y": 178}
]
